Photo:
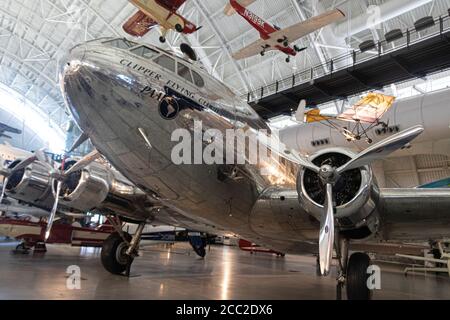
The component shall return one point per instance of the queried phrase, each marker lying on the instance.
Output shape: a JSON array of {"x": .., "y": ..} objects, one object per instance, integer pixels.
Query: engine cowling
[
  {"x": 31, "y": 185},
  {"x": 85, "y": 189},
  {"x": 99, "y": 187},
  {"x": 355, "y": 193}
]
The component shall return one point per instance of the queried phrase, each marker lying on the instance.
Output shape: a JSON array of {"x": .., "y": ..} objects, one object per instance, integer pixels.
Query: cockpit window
[
  {"x": 145, "y": 52},
  {"x": 121, "y": 43},
  {"x": 198, "y": 80},
  {"x": 184, "y": 72},
  {"x": 166, "y": 62}
]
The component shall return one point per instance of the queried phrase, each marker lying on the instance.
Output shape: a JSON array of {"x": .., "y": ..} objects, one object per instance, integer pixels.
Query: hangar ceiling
[{"x": 36, "y": 34}]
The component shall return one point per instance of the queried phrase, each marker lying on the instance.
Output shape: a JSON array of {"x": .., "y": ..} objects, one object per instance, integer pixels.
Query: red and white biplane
[
  {"x": 274, "y": 38},
  {"x": 158, "y": 12}
]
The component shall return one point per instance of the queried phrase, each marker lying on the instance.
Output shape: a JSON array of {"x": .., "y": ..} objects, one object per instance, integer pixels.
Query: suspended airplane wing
[
  {"x": 368, "y": 110},
  {"x": 139, "y": 24},
  {"x": 290, "y": 34}
]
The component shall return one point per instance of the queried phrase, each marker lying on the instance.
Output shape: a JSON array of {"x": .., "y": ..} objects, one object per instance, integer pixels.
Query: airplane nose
[{"x": 73, "y": 59}]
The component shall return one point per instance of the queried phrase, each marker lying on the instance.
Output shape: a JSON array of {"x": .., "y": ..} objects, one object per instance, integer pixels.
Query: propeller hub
[{"x": 328, "y": 174}]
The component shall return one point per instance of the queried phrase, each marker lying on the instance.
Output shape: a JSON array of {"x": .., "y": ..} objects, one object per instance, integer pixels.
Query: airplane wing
[
  {"x": 304, "y": 28},
  {"x": 251, "y": 50},
  {"x": 369, "y": 109},
  {"x": 172, "y": 5},
  {"x": 402, "y": 211},
  {"x": 139, "y": 24}
]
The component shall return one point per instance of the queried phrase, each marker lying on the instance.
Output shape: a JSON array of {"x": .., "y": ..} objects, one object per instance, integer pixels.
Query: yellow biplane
[{"x": 362, "y": 117}]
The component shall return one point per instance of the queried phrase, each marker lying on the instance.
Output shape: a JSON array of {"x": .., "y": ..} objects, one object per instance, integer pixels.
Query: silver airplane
[{"x": 119, "y": 93}]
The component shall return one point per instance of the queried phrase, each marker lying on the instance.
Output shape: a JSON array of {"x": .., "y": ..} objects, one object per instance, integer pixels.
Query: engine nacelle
[
  {"x": 99, "y": 187},
  {"x": 31, "y": 185},
  {"x": 355, "y": 193}
]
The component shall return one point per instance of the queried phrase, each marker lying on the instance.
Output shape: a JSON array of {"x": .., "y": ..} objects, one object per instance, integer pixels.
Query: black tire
[
  {"x": 113, "y": 248},
  {"x": 356, "y": 282},
  {"x": 318, "y": 272},
  {"x": 22, "y": 248},
  {"x": 162, "y": 39},
  {"x": 179, "y": 28}
]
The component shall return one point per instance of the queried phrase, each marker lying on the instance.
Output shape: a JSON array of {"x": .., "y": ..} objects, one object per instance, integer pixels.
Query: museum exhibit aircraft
[
  {"x": 312, "y": 137},
  {"x": 120, "y": 97},
  {"x": 356, "y": 121},
  {"x": 158, "y": 12},
  {"x": 31, "y": 182},
  {"x": 274, "y": 38}
]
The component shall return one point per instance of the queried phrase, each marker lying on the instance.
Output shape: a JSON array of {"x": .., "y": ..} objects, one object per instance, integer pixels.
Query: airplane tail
[{"x": 229, "y": 10}]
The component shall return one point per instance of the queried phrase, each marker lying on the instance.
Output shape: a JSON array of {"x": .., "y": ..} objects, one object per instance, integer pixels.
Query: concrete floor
[{"x": 176, "y": 273}]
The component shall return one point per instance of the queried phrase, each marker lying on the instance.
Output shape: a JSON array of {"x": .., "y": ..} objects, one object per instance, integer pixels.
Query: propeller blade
[
  {"x": 326, "y": 238},
  {"x": 81, "y": 139},
  {"x": 5, "y": 182},
  {"x": 23, "y": 164},
  {"x": 382, "y": 149},
  {"x": 51, "y": 218},
  {"x": 301, "y": 161},
  {"x": 91, "y": 157}
]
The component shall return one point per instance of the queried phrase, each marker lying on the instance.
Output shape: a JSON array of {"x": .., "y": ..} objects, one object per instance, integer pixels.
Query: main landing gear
[
  {"x": 352, "y": 273},
  {"x": 264, "y": 48},
  {"x": 120, "y": 249},
  {"x": 284, "y": 41}
]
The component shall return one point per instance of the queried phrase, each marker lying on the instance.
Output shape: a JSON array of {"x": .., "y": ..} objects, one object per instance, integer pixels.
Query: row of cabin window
[{"x": 164, "y": 61}]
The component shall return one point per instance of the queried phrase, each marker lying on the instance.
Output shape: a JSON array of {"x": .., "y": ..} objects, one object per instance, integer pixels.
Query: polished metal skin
[{"x": 115, "y": 96}]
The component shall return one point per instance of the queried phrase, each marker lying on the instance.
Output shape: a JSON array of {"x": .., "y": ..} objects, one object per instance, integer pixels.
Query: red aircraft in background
[
  {"x": 274, "y": 38},
  {"x": 158, "y": 12}
]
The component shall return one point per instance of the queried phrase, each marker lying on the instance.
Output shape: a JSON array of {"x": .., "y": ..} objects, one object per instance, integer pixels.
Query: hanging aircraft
[
  {"x": 158, "y": 12},
  {"x": 119, "y": 97},
  {"x": 275, "y": 38},
  {"x": 312, "y": 137},
  {"x": 358, "y": 120}
]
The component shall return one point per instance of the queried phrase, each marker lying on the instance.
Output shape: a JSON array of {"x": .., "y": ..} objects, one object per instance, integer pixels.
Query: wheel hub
[{"x": 121, "y": 255}]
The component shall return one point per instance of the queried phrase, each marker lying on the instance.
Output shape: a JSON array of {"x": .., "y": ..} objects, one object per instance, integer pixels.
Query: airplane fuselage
[{"x": 120, "y": 99}]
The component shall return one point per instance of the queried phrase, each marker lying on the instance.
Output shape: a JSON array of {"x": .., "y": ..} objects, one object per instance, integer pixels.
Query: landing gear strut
[
  {"x": 352, "y": 273},
  {"x": 120, "y": 249}
]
